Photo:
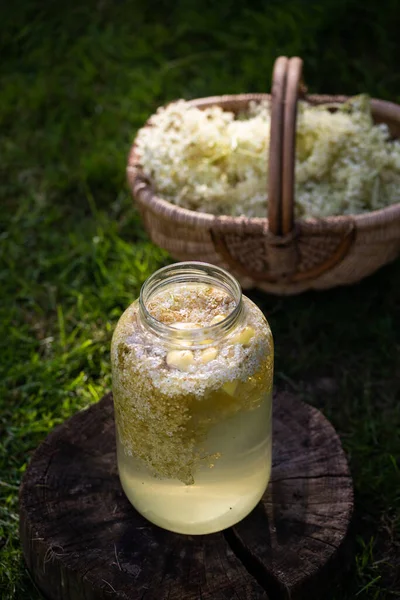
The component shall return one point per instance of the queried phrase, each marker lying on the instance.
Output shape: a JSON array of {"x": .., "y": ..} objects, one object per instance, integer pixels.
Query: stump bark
[{"x": 82, "y": 540}]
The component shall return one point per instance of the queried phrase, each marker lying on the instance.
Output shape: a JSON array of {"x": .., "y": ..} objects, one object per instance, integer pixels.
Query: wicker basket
[{"x": 276, "y": 254}]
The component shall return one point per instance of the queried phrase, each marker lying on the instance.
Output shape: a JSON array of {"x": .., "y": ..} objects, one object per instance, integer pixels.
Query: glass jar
[{"x": 192, "y": 368}]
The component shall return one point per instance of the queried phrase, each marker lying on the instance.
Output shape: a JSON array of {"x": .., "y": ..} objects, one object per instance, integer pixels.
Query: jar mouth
[{"x": 191, "y": 272}]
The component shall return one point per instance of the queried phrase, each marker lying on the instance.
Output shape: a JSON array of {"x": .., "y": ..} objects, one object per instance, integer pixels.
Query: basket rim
[{"x": 146, "y": 195}]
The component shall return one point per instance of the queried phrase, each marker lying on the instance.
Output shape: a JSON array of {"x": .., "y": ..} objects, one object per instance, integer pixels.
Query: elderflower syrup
[{"x": 192, "y": 366}]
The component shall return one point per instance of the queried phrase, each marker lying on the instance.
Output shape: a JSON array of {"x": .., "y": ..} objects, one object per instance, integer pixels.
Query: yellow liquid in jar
[
  {"x": 221, "y": 495},
  {"x": 193, "y": 437}
]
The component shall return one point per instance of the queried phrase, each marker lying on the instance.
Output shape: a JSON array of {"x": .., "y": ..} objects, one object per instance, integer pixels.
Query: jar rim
[{"x": 195, "y": 272}]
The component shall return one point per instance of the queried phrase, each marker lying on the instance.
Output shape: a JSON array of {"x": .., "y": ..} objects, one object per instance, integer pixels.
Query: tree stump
[{"x": 82, "y": 540}]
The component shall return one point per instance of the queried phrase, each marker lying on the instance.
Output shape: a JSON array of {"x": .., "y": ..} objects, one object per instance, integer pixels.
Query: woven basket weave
[{"x": 276, "y": 254}]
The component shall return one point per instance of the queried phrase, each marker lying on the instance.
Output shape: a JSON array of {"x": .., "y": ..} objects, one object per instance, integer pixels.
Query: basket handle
[
  {"x": 276, "y": 144},
  {"x": 294, "y": 87},
  {"x": 287, "y": 256}
]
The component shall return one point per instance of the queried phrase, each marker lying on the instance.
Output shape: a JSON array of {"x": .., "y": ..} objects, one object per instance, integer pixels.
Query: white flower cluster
[{"x": 217, "y": 162}]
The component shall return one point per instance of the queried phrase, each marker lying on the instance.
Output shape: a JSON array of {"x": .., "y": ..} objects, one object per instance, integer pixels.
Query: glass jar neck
[{"x": 190, "y": 273}]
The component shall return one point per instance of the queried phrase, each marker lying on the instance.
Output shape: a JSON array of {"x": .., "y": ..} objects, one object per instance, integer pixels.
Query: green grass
[{"x": 77, "y": 80}]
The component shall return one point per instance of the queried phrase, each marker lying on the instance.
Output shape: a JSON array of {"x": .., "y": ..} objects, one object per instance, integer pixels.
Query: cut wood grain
[{"x": 82, "y": 540}]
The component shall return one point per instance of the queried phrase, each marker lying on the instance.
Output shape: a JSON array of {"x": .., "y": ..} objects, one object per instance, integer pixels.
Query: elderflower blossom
[{"x": 216, "y": 162}]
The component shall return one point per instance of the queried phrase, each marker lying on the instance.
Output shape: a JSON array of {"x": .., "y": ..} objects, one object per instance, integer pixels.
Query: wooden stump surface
[{"x": 82, "y": 540}]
